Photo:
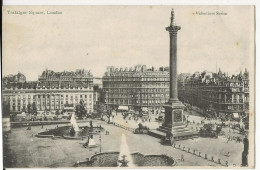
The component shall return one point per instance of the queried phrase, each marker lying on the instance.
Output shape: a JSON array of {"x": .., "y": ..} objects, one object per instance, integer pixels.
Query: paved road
[{"x": 28, "y": 151}]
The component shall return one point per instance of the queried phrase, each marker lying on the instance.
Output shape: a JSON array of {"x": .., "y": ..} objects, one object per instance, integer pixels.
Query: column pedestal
[{"x": 174, "y": 124}]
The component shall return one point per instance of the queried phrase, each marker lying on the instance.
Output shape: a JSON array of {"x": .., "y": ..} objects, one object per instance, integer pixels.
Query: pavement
[
  {"x": 27, "y": 151},
  {"x": 131, "y": 123}
]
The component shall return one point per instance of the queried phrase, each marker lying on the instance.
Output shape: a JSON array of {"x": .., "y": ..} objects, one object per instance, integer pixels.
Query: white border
[
  {"x": 129, "y": 2},
  {"x": 163, "y": 2}
]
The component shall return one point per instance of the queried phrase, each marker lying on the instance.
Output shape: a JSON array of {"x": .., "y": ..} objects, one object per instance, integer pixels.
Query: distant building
[
  {"x": 216, "y": 92},
  {"x": 53, "y": 91},
  {"x": 137, "y": 88},
  {"x": 80, "y": 75},
  {"x": 18, "y": 78}
]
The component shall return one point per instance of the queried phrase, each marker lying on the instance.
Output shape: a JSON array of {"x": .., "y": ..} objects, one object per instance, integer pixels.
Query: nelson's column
[{"x": 173, "y": 127}]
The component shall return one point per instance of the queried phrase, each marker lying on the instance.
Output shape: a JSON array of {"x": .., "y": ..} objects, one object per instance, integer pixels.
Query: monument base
[{"x": 174, "y": 124}]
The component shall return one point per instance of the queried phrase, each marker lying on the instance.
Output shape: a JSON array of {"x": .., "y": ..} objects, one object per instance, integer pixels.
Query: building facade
[
  {"x": 218, "y": 93},
  {"x": 49, "y": 94},
  {"x": 80, "y": 75},
  {"x": 136, "y": 88}
]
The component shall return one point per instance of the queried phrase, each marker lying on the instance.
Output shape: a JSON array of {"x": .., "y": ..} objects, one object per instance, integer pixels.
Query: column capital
[{"x": 173, "y": 29}]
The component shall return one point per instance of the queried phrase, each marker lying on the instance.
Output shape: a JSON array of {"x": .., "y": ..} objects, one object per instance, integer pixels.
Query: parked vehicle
[
  {"x": 20, "y": 117},
  {"x": 131, "y": 112},
  {"x": 23, "y": 117},
  {"x": 40, "y": 116},
  {"x": 66, "y": 115},
  {"x": 50, "y": 116},
  {"x": 59, "y": 117}
]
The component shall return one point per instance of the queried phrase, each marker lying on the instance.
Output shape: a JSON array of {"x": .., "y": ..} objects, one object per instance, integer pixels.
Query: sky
[{"x": 94, "y": 37}]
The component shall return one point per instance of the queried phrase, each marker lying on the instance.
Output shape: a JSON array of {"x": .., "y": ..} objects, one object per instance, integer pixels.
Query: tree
[
  {"x": 72, "y": 131},
  {"x": 80, "y": 110},
  {"x": 109, "y": 114},
  {"x": 34, "y": 109},
  {"x": 218, "y": 129},
  {"x": 29, "y": 109},
  {"x": 6, "y": 109},
  {"x": 91, "y": 126},
  {"x": 23, "y": 109},
  {"x": 101, "y": 109}
]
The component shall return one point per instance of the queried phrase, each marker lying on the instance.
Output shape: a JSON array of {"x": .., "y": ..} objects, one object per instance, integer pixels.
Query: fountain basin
[
  {"x": 64, "y": 132},
  {"x": 110, "y": 159}
]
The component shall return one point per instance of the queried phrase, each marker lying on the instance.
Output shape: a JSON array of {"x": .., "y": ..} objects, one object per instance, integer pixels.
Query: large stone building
[
  {"x": 136, "y": 88},
  {"x": 217, "y": 93},
  {"x": 53, "y": 91}
]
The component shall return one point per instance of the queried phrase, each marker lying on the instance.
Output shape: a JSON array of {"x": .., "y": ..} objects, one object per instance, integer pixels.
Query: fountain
[
  {"x": 125, "y": 154},
  {"x": 74, "y": 122},
  {"x": 72, "y": 132},
  {"x": 126, "y": 159},
  {"x": 123, "y": 162}
]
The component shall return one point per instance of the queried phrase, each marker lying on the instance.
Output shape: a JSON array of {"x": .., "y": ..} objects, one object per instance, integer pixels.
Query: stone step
[
  {"x": 157, "y": 134},
  {"x": 176, "y": 129},
  {"x": 177, "y": 136}
]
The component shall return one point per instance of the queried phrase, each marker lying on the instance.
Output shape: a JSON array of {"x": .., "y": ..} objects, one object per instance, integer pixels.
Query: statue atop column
[{"x": 172, "y": 17}]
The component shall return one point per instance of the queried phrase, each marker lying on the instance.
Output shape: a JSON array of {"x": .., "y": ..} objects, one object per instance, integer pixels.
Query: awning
[
  {"x": 236, "y": 115},
  {"x": 123, "y": 108}
]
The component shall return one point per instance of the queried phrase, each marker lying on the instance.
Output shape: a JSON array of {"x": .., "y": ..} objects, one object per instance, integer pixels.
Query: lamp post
[
  {"x": 100, "y": 141},
  {"x": 140, "y": 102}
]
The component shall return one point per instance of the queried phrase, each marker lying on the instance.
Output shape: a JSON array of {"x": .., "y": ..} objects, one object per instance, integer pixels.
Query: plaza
[{"x": 26, "y": 150}]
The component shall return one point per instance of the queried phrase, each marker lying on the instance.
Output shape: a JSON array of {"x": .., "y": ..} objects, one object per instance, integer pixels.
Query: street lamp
[{"x": 100, "y": 141}]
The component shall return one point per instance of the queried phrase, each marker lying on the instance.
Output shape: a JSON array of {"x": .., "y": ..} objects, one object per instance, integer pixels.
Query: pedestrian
[
  {"x": 228, "y": 138},
  {"x": 228, "y": 154},
  {"x": 182, "y": 157},
  {"x": 42, "y": 126}
]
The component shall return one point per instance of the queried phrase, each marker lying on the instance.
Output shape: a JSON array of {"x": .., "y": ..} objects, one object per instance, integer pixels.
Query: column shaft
[{"x": 173, "y": 67}]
